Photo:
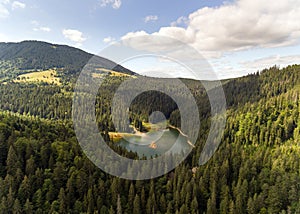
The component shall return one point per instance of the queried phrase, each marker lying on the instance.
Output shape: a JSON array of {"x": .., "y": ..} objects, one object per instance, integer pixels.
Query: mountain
[
  {"x": 42, "y": 55},
  {"x": 255, "y": 169},
  {"x": 37, "y": 55}
]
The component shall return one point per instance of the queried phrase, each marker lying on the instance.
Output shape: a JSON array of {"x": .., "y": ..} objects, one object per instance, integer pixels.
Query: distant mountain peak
[{"x": 32, "y": 54}]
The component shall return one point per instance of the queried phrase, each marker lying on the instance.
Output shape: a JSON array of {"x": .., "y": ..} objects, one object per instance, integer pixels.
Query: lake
[{"x": 156, "y": 142}]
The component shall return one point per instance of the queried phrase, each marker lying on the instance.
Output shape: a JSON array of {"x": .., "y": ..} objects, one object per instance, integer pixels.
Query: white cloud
[
  {"x": 37, "y": 26},
  {"x": 244, "y": 24},
  {"x": 44, "y": 29},
  {"x": 5, "y": 1},
  {"x": 116, "y": 4},
  {"x": 160, "y": 44},
  {"x": 270, "y": 61},
  {"x": 109, "y": 39},
  {"x": 141, "y": 40},
  {"x": 4, "y": 4},
  {"x": 150, "y": 18},
  {"x": 18, "y": 5},
  {"x": 181, "y": 20},
  {"x": 4, "y": 13},
  {"x": 34, "y": 22},
  {"x": 74, "y": 35},
  {"x": 225, "y": 69}
]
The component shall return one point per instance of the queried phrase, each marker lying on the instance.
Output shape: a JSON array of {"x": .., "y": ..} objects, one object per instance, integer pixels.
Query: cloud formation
[
  {"x": 4, "y": 13},
  {"x": 18, "y": 5},
  {"x": 4, "y": 7},
  {"x": 116, "y": 4},
  {"x": 37, "y": 26},
  {"x": 241, "y": 25},
  {"x": 270, "y": 61},
  {"x": 4, "y": 1},
  {"x": 34, "y": 22},
  {"x": 151, "y": 18},
  {"x": 73, "y": 35},
  {"x": 109, "y": 40},
  {"x": 44, "y": 29},
  {"x": 182, "y": 20}
]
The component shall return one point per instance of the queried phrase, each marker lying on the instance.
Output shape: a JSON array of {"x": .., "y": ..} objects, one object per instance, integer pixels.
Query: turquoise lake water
[{"x": 163, "y": 140}]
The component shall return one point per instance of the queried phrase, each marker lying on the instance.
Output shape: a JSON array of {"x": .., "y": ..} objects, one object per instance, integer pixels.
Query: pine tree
[
  {"x": 211, "y": 204},
  {"x": 12, "y": 162},
  {"x": 78, "y": 207},
  {"x": 136, "y": 205},
  {"x": 143, "y": 198},
  {"x": 224, "y": 205},
  {"x": 90, "y": 200},
  {"x": 183, "y": 209},
  {"x": 28, "y": 208},
  {"x": 114, "y": 188},
  {"x": 170, "y": 208},
  {"x": 17, "y": 209},
  {"x": 10, "y": 199},
  {"x": 119, "y": 205},
  {"x": 62, "y": 201},
  {"x": 251, "y": 206},
  {"x": 163, "y": 203},
  {"x": 232, "y": 207},
  {"x": 30, "y": 166},
  {"x": 3, "y": 206},
  {"x": 131, "y": 196},
  {"x": 111, "y": 210},
  {"x": 177, "y": 200},
  {"x": 194, "y": 206},
  {"x": 24, "y": 190}
]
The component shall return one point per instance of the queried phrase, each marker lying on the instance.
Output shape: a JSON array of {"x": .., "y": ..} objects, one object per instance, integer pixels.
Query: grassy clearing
[
  {"x": 118, "y": 74},
  {"x": 111, "y": 73},
  {"x": 48, "y": 76},
  {"x": 97, "y": 75}
]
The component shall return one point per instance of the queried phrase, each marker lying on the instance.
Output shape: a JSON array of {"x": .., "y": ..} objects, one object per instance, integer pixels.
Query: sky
[{"x": 235, "y": 37}]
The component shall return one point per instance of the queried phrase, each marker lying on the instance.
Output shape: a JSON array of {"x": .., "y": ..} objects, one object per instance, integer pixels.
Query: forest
[{"x": 255, "y": 169}]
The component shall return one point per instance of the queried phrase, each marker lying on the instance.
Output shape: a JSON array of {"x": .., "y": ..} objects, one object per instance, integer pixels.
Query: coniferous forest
[{"x": 43, "y": 169}]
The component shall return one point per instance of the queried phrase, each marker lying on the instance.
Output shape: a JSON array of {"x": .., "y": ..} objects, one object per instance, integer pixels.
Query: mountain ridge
[{"x": 32, "y": 54}]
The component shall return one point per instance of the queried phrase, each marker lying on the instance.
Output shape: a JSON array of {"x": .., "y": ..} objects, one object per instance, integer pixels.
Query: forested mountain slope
[
  {"x": 42, "y": 55},
  {"x": 255, "y": 169},
  {"x": 28, "y": 56}
]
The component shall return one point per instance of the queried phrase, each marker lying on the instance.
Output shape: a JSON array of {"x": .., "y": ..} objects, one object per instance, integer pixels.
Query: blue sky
[{"x": 236, "y": 37}]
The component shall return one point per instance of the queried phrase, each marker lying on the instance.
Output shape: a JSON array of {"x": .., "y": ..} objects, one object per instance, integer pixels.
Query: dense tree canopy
[{"x": 255, "y": 169}]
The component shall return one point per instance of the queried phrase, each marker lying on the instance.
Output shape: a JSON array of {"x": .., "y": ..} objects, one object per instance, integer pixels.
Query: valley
[{"x": 43, "y": 169}]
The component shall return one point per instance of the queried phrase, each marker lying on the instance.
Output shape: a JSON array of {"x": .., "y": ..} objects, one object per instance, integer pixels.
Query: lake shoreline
[
  {"x": 183, "y": 134},
  {"x": 116, "y": 136}
]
